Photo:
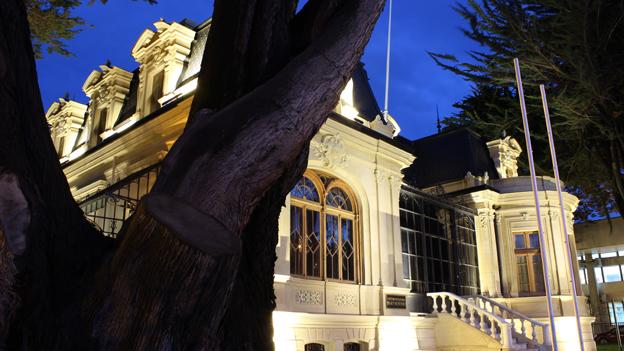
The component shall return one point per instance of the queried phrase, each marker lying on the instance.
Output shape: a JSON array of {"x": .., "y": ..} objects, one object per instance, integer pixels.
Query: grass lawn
[{"x": 608, "y": 347}]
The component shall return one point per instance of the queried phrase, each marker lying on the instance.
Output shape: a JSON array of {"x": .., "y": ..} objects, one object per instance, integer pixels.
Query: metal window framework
[{"x": 441, "y": 250}]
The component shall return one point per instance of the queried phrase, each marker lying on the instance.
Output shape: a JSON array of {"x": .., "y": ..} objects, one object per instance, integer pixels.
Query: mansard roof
[
  {"x": 189, "y": 40},
  {"x": 449, "y": 156},
  {"x": 363, "y": 96}
]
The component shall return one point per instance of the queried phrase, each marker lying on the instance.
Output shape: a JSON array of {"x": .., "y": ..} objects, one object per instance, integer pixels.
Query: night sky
[{"x": 416, "y": 83}]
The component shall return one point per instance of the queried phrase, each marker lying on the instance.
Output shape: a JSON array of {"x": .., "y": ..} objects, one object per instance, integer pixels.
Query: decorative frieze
[
  {"x": 346, "y": 300},
  {"x": 308, "y": 297}
]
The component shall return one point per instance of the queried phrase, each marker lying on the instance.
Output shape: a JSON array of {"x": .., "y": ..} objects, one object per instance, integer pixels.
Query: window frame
[
  {"x": 324, "y": 210},
  {"x": 528, "y": 253}
]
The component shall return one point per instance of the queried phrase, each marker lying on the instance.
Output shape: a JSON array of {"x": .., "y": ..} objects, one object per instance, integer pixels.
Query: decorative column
[
  {"x": 487, "y": 253},
  {"x": 395, "y": 182}
]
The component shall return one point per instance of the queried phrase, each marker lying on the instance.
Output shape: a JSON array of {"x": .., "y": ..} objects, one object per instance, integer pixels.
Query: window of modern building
[
  {"x": 616, "y": 309},
  {"x": 438, "y": 245},
  {"x": 352, "y": 346},
  {"x": 612, "y": 274},
  {"x": 314, "y": 347},
  {"x": 528, "y": 263},
  {"x": 583, "y": 275},
  {"x": 608, "y": 254},
  {"x": 324, "y": 233},
  {"x": 598, "y": 274}
]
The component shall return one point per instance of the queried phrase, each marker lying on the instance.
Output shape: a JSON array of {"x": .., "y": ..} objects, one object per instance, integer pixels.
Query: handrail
[
  {"x": 513, "y": 316},
  {"x": 489, "y": 323}
]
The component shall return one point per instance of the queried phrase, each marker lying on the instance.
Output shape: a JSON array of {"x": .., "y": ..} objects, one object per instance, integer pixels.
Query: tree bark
[
  {"x": 62, "y": 249},
  {"x": 276, "y": 120},
  {"x": 168, "y": 284},
  {"x": 275, "y": 34}
]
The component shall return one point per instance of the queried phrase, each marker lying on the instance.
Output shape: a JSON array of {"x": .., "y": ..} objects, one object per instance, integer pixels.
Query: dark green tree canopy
[
  {"x": 574, "y": 48},
  {"x": 53, "y": 23}
]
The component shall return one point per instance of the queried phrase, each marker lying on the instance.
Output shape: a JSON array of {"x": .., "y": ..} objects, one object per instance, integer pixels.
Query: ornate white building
[{"x": 384, "y": 244}]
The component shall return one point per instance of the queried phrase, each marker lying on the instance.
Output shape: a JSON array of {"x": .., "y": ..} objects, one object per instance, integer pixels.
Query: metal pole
[
  {"x": 546, "y": 269},
  {"x": 553, "y": 156},
  {"x": 385, "y": 111}
]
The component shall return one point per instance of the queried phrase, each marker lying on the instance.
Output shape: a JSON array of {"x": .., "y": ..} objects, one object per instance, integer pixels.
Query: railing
[
  {"x": 522, "y": 325},
  {"x": 487, "y": 322}
]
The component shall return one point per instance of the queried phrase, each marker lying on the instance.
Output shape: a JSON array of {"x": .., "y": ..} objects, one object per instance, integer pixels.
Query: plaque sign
[{"x": 395, "y": 301}]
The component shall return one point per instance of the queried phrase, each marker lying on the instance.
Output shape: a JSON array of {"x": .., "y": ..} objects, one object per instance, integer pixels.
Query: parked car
[{"x": 610, "y": 336}]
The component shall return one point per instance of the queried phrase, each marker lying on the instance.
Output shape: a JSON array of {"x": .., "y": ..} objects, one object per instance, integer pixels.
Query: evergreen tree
[
  {"x": 574, "y": 48},
  {"x": 52, "y": 23}
]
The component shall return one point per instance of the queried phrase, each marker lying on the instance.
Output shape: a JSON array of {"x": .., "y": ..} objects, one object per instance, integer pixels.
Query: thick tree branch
[
  {"x": 61, "y": 247},
  {"x": 156, "y": 282},
  {"x": 248, "y": 42},
  {"x": 275, "y": 120}
]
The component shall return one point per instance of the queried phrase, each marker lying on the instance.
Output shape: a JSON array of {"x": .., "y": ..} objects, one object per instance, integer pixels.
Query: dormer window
[
  {"x": 107, "y": 88},
  {"x": 161, "y": 55},
  {"x": 65, "y": 118},
  {"x": 101, "y": 124},
  {"x": 156, "y": 92},
  {"x": 61, "y": 147}
]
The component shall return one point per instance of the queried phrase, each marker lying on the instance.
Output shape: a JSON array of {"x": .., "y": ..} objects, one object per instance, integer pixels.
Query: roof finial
[{"x": 438, "y": 120}]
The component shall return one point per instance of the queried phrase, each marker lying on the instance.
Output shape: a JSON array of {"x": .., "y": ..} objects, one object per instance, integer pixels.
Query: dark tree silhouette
[{"x": 193, "y": 267}]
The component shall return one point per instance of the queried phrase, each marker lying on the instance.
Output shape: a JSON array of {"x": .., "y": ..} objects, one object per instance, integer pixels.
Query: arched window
[{"x": 323, "y": 232}]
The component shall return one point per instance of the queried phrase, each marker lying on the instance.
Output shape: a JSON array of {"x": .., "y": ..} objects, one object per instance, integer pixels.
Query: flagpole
[
  {"x": 553, "y": 156},
  {"x": 385, "y": 111},
  {"x": 546, "y": 269}
]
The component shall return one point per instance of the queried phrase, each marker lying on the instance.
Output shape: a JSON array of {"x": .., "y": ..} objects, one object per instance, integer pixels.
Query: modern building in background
[
  {"x": 600, "y": 247},
  {"x": 384, "y": 244}
]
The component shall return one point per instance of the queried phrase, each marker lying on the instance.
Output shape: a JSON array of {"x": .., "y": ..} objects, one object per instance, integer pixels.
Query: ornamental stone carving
[
  {"x": 505, "y": 152},
  {"x": 308, "y": 297},
  {"x": 486, "y": 217},
  {"x": 346, "y": 300},
  {"x": 330, "y": 150},
  {"x": 380, "y": 175},
  {"x": 395, "y": 182}
]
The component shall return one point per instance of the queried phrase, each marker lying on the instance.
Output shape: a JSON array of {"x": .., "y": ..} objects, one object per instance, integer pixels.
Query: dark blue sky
[{"x": 416, "y": 83}]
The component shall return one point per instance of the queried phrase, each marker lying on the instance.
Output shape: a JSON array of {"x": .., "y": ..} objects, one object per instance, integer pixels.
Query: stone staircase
[{"x": 511, "y": 329}]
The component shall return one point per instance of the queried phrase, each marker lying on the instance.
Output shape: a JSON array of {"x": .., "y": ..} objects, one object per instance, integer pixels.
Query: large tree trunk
[
  {"x": 61, "y": 247},
  {"x": 260, "y": 49},
  {"x": 215, "y": 205}
]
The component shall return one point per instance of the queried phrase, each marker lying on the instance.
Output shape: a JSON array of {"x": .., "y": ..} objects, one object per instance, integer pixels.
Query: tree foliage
[
  {"x": 574, "y": 48},
  {"x": 53, "y": 23}
]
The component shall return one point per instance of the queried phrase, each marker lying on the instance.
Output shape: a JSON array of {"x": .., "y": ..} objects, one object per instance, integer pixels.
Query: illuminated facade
[{"x": 379, "y": 232}]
